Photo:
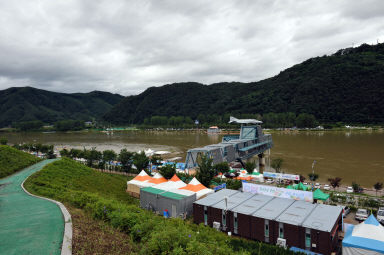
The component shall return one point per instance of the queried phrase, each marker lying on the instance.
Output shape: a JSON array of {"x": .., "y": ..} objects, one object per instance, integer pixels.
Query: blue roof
[
  {"x": 371, "y": 220},
  {"x": 364, "y": 243},
  {"x": 295, "y": 249}
]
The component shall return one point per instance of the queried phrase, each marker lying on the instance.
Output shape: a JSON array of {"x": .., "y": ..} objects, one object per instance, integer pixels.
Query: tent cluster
[
  {"x": 244, "y": 176},
  {"x": 317, "y": 194},
  {"x": 143, "y": 180},
  {"x": 365, "y": 238},
  {"x": 299, "y": 186}
]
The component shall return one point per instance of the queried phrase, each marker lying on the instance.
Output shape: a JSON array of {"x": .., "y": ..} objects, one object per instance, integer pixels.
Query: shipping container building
[
  {"x": 242, "y": 215},
  {"x": 178, "y": 203},
  {"x": 290, "y": 221},
  {"x": 321, "y": 229},
  {"x": 221, "y": 211},
  {"x": 264, "y": 219},
  {"x": 200, "y": 207}
]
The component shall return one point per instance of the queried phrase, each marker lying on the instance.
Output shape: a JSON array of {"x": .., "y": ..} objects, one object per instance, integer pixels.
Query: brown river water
[{"x": 352, "y": 155}]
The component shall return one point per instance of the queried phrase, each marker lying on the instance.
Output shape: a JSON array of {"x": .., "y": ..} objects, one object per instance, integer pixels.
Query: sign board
[
  {"x": 278, "y": 192},
  {"x": 293, "y": 177},
  {"x": 219, "y": 187}
]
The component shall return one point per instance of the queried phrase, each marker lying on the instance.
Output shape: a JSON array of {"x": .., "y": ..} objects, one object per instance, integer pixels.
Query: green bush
[{"x": 12, "y": 160}]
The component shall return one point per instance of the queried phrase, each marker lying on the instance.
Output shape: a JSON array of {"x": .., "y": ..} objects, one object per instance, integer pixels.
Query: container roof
[
  {"x": 233, "y": 200},
  {"x": 216, "y": 197},
  {"x": 296, "y": 213},
  {"x": 274, "y": 208},
  {"x": 173, "y": 195},
  {"x": 323, "y": 218},
  {"x": 153, "y": 190},
  {"x": 253, "y": 204}
]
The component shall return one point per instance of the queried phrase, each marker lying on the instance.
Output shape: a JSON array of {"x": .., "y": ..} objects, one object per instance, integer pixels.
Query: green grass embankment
[
  {"x": 13, "y": 160},
  {"x": 103, "y": 197}
]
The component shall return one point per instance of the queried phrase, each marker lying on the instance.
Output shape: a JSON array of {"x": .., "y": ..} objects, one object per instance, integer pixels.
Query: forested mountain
[
  {"x": 27, "y": 104},
  {"x": 347, "y": 86}
]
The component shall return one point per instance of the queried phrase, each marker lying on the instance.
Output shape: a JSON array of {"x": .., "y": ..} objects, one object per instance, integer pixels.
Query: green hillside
[
  {"x": 27, "y": 104},
  {"x": 103, "y": 196},
  {"x": 12, "y": 160},
  {"x": 347, "y": 86}
]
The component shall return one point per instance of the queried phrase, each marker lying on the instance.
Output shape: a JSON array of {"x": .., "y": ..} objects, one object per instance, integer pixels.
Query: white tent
[
  {"x": 198, "y": 188},
  {"x": 366, "y": 238},
  {"x": 173, "y": 183}
]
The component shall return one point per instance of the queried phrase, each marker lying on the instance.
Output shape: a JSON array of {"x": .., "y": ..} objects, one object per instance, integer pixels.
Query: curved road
[{"x": 28, "y": 225}]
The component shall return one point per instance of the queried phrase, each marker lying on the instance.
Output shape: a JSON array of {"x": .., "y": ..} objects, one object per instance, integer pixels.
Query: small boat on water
[{"x": 213, "y": 130}]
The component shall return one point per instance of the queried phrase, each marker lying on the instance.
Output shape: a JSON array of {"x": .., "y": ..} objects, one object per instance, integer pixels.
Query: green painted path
[{"x": 28, "y": 225}]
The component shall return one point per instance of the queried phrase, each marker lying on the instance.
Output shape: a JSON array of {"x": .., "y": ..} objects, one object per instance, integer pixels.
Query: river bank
[{"x": 354, "y": 155}]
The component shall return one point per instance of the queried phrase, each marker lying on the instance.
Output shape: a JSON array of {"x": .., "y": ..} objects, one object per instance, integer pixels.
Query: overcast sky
[{"x": 127, "y": 46}]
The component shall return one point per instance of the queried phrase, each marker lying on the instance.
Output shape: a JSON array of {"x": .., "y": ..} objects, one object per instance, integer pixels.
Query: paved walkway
[{"x": 28, "y": 225}]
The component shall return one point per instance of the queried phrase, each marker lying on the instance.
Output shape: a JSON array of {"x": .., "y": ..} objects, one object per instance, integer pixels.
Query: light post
[{"x": 313, "y": 172}]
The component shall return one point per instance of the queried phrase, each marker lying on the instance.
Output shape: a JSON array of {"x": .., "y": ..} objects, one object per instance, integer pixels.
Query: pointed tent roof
[
  {"x": 290, "y": 187},
  {"x": 175, "y": 178},
  {"x": 300, "y": 186},
  {"x": 368, "y": 235},
  {"x": 195, "y": 186},
  {"x": 141, "y": 179},
  {"x": 318, "y": 194},
  {"x": 157, "y": 179}
]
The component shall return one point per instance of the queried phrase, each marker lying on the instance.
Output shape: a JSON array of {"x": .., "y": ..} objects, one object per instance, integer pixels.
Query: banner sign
[
  {"x": 219, "y": 187},
  {"x": 293, "y": 177},
  {"x": 278, "y": 192}
]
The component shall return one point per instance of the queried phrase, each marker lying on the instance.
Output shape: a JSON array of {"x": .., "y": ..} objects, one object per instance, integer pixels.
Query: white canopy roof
[
  {"x": 244, "y": 121},
  {"x": 365, "y": 238}
]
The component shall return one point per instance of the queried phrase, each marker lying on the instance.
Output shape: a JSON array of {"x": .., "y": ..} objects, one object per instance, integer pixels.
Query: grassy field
[
  {"x": 104, "y": 215},
  {"x": 13, "y": 160}
]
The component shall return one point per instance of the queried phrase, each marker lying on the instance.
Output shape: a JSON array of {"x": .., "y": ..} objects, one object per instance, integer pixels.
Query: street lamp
[{"x": 313, "y": 172}]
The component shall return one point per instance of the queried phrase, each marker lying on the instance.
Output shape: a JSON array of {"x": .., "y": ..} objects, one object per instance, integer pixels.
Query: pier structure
[{"x": 251, "y": 141}]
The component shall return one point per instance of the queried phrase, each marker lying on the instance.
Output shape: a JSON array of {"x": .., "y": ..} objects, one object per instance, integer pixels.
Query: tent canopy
[
  {"x": 300, "y": 186},
  {"x": 290, "y": 187},
  {"x": 365, "y": 238},
  {"x": 319, "y": 195}
]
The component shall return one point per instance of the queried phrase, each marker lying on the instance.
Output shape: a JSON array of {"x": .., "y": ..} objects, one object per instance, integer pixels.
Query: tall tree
[
  {"x": 378, "y": 186},
  {"x": 92, "y": 155},
  {"x": 250, "y": 166},
  {"x": 205, "y": 172},
  {"x": 108, "y": 155},
  {"x": 3, "y": 141},
  {"x": 156, "y": 160},
  {"x": 168, "y": 170},
  {"x": 335, "y": 182},
  {"x": 140, "y": 160},
  {"x": 126, "y": 159},
  {"x": 313, "y": 177},
  {"x": 277, "y": 164},
  {"x": 222, "y": 167}
]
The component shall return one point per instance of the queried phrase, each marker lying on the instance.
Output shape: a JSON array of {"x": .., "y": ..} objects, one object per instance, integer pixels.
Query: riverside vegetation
[
  {"x": 103, "y": 197},
  {"x": 12, "y": 160}
]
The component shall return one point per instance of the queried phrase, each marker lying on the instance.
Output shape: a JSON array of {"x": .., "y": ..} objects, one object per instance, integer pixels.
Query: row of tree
[
  {"x": 62, "y": 125},
  {"x": 46, "y": 150},
  {"x": 270, "y": 120}
]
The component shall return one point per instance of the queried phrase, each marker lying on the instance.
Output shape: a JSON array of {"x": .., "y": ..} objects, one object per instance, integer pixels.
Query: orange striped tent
[
  {"x": 198, "y": 188},
  {"x": 157, "y": 179},
  {"x": 173, "y": 183},
  {"x": 141, "y": 180}
]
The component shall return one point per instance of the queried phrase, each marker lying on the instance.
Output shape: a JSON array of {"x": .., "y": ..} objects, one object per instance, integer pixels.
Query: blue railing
[{"x": 228, "y": 138}]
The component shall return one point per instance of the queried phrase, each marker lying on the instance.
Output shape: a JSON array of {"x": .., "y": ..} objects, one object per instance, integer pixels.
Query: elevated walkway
[{"x": 249, "y": 143}]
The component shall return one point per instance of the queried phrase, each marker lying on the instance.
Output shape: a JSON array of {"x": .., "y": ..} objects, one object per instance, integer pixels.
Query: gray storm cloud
[{"x": 127, "y": 46}]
